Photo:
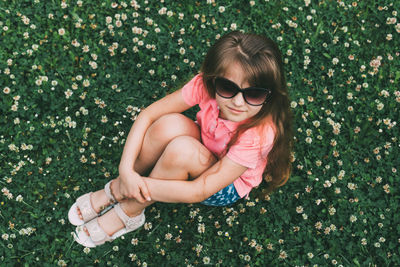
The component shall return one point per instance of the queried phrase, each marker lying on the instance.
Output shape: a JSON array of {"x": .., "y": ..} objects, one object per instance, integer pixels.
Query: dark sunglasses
[{"x": 253, "y": 96}]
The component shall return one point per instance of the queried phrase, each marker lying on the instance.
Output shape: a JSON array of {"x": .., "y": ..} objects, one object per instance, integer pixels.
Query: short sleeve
[
  {"x": 245, "y": 152},
  {"x": 248, "y": 151},
  {"x": 194, "y": 92}
]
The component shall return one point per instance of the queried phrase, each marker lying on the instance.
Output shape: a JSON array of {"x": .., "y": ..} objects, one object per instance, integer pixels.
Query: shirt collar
[{"x": 231, "y": 125}]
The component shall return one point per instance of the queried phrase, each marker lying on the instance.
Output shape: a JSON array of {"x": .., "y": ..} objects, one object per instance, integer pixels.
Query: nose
[{"x": 238, "y": 100}]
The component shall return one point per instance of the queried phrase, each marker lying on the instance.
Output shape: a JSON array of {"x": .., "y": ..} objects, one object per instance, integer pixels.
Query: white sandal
[
  {"x": 85, "y": 206},
  {"x": 98, "y": 236}
]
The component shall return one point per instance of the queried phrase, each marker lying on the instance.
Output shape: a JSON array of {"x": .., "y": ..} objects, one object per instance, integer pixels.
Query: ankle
[
  {"x": 132, "y": 214},
  {"x": 99, "y": 200}
]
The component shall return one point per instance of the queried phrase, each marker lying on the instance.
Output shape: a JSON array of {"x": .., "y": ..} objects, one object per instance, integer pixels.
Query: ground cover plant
[{"x": 75, "y": 74}]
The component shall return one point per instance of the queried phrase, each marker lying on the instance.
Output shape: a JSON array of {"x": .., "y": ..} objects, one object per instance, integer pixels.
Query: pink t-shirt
[{"x": 216, "y": 134}]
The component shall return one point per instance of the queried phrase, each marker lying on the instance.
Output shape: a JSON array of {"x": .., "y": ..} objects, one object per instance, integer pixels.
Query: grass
[{"x": 74, "y": 74}]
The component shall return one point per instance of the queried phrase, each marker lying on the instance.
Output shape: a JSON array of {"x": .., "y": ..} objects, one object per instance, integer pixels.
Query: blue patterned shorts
[{"x": 224, "y": 197}]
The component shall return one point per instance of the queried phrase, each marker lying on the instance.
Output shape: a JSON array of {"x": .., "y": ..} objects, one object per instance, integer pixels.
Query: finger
[
  {"x": 145, "y": 191},
  {"x": 125, "y": 193},
  {"x": 139, "y": 196},
  {"x": 114, "y": 189},
  {"x": 120, "y": 195},
  {"x": 139, "y": 199}
]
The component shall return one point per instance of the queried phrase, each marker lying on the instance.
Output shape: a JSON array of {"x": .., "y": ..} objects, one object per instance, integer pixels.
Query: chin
[{"x": 235, "y": 118}]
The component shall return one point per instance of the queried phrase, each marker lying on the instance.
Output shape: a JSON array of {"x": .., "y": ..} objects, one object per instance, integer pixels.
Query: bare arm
[
  {"x": 132, "y": 185},
  {"x": 218, "y": 176}
]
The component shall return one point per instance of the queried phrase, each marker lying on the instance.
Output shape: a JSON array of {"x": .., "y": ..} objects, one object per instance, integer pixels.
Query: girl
[{"x": 242, "y": 133}]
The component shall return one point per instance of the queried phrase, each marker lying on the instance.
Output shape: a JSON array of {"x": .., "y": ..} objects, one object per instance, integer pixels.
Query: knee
[
  {"x": 181, "y": 150},
  {"x": 187, "y": 152},
  {"x": 172, "y": 125}
]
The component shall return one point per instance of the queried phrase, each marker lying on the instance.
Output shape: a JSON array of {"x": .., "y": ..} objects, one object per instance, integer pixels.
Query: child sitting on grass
[{"x": 242, "y": 134}]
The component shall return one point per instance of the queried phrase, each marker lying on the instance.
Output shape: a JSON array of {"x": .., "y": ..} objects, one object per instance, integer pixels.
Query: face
[{"x": 236, "y": 109}]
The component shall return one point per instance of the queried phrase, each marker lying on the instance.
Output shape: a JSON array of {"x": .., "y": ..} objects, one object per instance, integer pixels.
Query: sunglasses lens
[
  {"x": 255, "y": 96},
  {"x": 252, "y": 95},
  {"x": 225, "y": 88}
]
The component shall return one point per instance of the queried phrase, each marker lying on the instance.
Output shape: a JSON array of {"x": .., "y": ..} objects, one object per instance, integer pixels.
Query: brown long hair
[{"x": 261, "y": 61}]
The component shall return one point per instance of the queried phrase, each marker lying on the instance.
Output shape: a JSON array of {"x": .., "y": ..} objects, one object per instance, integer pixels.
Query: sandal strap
[
  {"x": 131, "y": 223},
  {"x": 107, "y": 189},
  {"x": 85, "y": 206},
  {"x": 97, "y": 233}
]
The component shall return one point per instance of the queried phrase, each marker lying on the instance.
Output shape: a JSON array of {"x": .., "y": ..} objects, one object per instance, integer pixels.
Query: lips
[{"x": 237, "y": 111}]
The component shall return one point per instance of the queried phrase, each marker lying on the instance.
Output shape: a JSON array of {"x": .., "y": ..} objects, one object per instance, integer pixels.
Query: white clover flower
[
  {"x": 327, "y": 184},
  {"x": 380, "y": 106},
  {"x": 221, "y": 9},
  {"x": 332, "y": 211},
  {"x": 201, "y": 228},
  {"x": 162, "y": 11},
  {"x": 61, "y": 263},
  {"x": 206, "y": 260},
  {"x": 5, "y": 236},
  {"x": 93, "y": 64},
  {"x": 147, "y": 226},
  {"x": 168, "y": 236},
  {"x": 199, "y": 248},
  {"x": 299, "y": 209},
  {"x": 283, "y": 254},
  {"x": 86, "y": 83}
]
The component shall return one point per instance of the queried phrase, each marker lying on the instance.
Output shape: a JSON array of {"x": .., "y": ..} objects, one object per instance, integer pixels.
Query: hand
[{"x": 132, "y": 186}]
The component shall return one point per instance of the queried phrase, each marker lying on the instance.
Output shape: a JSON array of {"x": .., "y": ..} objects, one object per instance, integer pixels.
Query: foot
[
  {"x": 99, "y": 201},
  {"x": 111, "y": 223},
  {"x": 107, "y": 227}
]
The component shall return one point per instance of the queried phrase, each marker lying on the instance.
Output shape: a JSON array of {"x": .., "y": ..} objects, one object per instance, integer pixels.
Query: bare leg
[
  {"x": 174, "y": 159},
  {"x": 157, "y": 137},
  {"x": 184, "y": 157}
]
